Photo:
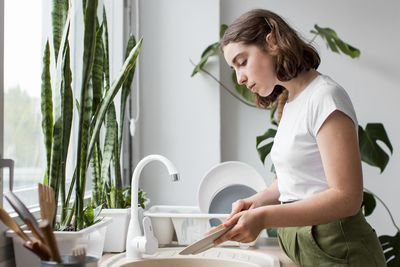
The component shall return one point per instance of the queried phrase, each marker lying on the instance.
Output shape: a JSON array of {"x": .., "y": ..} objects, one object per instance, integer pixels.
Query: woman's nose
[{"x": 241, "y": 78}]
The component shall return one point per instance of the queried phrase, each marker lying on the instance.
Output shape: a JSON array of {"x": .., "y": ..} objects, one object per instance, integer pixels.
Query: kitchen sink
[{"x": 215, "y": 257}]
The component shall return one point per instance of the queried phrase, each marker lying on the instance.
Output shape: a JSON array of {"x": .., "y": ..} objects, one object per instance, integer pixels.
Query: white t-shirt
[{"x": 295, "y": 152}]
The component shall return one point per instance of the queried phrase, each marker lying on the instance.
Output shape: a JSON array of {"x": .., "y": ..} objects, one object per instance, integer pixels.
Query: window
[
  {"x": 26, "y": 27},
  {"x": 23, "y": 140}
]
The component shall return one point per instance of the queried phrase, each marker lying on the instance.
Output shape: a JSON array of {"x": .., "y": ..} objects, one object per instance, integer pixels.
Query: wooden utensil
[
  {"x": 47, "y": 202},
  {"x": 47, "y": 230},
  {"x": 22, "y": 211},
  {"x": 36, "y": 247},
  {"x": 35, "y": 233},
  {"x": 10, "y": 223}
]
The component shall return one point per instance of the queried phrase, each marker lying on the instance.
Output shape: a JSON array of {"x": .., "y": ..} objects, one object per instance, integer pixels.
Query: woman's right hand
[{"x": 242, "y": 204}]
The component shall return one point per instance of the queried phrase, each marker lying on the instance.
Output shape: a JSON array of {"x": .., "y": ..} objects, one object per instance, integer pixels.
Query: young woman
[{"x": 315, "y": 200}]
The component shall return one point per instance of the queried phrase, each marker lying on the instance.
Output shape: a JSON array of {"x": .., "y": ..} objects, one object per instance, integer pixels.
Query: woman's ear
[{"x": 271, "y": 42}]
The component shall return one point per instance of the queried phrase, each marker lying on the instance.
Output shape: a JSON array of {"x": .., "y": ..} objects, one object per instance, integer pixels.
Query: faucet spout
[{"x": 134, "y": 226}]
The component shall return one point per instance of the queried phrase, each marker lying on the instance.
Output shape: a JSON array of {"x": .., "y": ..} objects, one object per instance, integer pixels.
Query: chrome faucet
[{"x": 136, "y": 244}]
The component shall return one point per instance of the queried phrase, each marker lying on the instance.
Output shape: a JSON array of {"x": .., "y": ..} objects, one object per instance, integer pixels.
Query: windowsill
[{"x": 35, "y": 209}]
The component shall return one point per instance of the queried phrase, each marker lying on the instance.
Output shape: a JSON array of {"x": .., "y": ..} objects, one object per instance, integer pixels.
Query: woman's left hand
[{"x": 247, "y": 226}]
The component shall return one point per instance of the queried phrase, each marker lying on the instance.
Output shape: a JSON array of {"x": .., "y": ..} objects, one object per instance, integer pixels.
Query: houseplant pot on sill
[
  {"x": 115, "y": 239},
  {"x": 105, "y": 161},
  {"x": 92, "y": 238}
]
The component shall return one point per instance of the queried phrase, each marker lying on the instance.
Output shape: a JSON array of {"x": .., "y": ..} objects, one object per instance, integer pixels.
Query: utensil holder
[{"x": 73, "y": 261}]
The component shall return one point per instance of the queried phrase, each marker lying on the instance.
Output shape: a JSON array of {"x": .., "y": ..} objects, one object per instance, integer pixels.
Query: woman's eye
[{"x": 243, "y": 63}]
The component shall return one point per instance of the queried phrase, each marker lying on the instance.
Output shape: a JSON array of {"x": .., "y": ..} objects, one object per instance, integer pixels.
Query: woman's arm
[
  {"x": 269, "y": 196},
  {"x": 338, "y": 145}
]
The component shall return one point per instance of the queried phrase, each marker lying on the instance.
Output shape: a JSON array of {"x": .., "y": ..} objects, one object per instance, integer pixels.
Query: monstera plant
[
  {"x": 94, "y": 106},
  {"x": 371, "y": 138}
]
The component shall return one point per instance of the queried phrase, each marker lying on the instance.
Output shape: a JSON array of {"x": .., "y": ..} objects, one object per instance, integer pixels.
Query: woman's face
[{"x": 254, "y": 67}]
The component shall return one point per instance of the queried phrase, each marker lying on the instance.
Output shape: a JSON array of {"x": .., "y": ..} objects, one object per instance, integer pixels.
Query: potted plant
[
  {"x": 108, "y": 191},
  {"x": 370, "y": 149},
  {"x": 77, "y": 222}
]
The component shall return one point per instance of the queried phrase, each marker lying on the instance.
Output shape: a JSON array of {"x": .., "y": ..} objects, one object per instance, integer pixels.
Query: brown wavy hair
[{"x": 293, "y": 56}]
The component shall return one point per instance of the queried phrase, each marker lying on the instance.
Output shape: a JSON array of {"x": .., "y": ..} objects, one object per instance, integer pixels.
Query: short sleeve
[{"x": 326, "y": 100}]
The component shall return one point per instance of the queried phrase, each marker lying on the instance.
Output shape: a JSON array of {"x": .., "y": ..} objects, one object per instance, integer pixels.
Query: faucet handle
[{"x": 147, "y": 244}]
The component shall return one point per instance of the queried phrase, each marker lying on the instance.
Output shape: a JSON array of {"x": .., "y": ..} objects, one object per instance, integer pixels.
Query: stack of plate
[{"x": 224, "y": 184}]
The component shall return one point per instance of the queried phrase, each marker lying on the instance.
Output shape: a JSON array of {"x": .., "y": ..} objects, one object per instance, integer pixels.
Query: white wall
[
  {"x": 180, "y": 115},
  {"x": 372, "y": 82}
]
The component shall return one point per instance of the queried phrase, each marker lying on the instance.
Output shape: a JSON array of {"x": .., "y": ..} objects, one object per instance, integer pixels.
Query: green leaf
[
  {"x": 88, "y": 215},
  {"x": 109, "y": 142},
  {"x": 67, "y": 108},
  {"x": 86, "y": 100},
  {"x": 210, "y": 51},
  {"x": 106, "y": 52},
  {"x": 369, "y": 203},
  {"x": 335, "y": 43},
  {"x": 264, "y": 150},
  {"x": 126, "y": 90},
  {"x": 391, "y": 249},
  {"x": 59, "y": 16},
  {"x": 222, "y": 30},
  {"x": 371, "y": 151},
  {"x": 110, "y": 94},
  {"x": 97, "y": 71},
  {"x": 47, "y": 107},
  {"x": 117, "y": 171},
  {"x": 242, "y": 90},
  {"x": 95, "y": 164},
  {"x": 62, "y": 118},
  {"x": 272, "y": 232}
]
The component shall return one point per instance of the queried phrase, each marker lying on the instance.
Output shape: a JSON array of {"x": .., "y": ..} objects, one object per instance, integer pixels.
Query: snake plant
[{"x": 95, "y": 108}]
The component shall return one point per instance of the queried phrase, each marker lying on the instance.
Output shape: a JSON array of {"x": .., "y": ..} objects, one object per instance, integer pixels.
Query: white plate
[
  {"x": 227, "y": 174},
  {"x": 222, "y": 201}
]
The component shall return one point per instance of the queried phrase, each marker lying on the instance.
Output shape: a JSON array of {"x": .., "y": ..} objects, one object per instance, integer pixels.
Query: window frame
[{"x": 1, "y": 94}]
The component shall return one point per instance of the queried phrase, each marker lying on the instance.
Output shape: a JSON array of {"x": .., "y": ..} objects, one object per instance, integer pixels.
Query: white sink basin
[{"x": 216, "y": 257}]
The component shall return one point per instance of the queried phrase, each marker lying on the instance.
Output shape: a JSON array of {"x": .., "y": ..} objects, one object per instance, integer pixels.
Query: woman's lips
[{"x": 252, "y": 88}]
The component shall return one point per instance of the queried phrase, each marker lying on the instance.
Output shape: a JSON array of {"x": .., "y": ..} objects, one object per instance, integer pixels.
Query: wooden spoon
[
  {"x": 10, "y": 223},
  {"x": 47, "y": 202},
  {"x": 47, "y": 230}
]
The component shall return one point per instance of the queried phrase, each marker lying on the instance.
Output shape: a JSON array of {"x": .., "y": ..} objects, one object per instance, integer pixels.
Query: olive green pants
[{"x": 347, "y": 242}]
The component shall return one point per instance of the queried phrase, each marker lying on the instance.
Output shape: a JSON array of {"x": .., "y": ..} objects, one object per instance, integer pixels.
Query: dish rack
[{"x": 186, "y": 222}]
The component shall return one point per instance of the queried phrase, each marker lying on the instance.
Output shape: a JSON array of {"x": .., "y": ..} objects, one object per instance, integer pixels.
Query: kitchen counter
[{"x": 267, "y": 245}]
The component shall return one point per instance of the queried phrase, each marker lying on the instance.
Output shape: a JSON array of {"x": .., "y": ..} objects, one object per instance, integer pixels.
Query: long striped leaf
[
  {"x": 126, "y": 89},
  {"x": 110, "y": 94},
  {"x": 97, "y": 72},
  {"x": 95, "y": 166},
  {"x": 57, "y": 150},
  {"x": 109, "y": 141},
  {"x": 67, "y": 107},
  {"x": 86, "y": 108},
  {"x": 59, "y": 17},
  {"x": 47, "y": 107},
  {"x": 118, "y": 176},
  {"x": 97, "y": 83},
  {"x": 106, "y": 52},
  {"x": 62, "y": 128}
]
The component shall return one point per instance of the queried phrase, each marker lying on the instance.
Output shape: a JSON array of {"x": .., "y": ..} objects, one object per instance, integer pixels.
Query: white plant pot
[
  {"x": 117, "y": 230},
  {"x": 91, "y": 237}
]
